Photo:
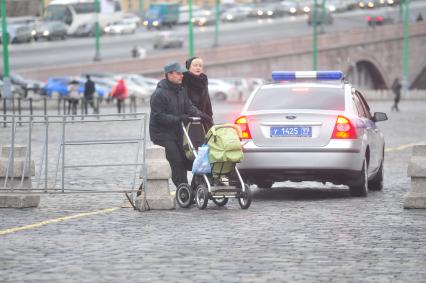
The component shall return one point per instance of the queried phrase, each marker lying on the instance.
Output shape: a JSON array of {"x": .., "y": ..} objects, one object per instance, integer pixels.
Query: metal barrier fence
[
  {"x": 52, "y": 140},
  {"x": 42, "y": 105}
]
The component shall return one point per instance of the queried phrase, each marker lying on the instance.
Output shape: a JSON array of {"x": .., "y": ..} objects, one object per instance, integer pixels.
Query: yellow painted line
[
  {"x": 56, "y": 220},
  {"x": 402, "y": 147}
]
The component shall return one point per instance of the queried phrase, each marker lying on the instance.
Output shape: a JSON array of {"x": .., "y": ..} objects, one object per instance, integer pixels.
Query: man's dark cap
[{"x": 173, "y": 67}]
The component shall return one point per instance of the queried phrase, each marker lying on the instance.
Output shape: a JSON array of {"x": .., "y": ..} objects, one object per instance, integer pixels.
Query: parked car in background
[
  {"x": 134, "y": 88},
  {"x": 28, "y": 86},
  {"x": 16, "y": 91},
  {"x": 167, "y": 40},
  {"x": 123, "y": 26},
  {"x": 17, "y": 33},
  {"x": 149, "y": 84},
  {"x": 222, "y": 90},
  {"x": 312, "y": 126},
  {"x": 49, "y": 30},
  {"x": 242, "y": 85},
  {"x": 58, "y": 86}
]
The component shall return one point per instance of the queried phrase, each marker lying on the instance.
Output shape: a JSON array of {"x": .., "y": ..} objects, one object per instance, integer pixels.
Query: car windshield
[{"x": 298, "y": 97}]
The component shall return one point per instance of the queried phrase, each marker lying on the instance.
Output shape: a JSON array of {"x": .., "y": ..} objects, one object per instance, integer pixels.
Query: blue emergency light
[{"x": 316, "y": 75}]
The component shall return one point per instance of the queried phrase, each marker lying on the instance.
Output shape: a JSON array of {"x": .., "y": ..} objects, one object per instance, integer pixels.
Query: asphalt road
[
  {"x": 294, "y": 232},
  {"x": 81, "y": 50}
]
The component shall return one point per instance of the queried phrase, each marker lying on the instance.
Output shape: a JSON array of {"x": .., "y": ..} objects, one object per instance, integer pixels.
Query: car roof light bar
[{"x": 303, "y": 75}]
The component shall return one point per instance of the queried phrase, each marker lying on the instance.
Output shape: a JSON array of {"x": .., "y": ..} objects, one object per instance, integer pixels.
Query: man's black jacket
[{"x": 168, "y": 102}]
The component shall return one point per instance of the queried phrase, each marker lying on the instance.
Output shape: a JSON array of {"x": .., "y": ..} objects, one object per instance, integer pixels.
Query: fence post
[
  {"x": 19, "y": 111},
  {"x": 4, "y": 112},
  {"x": 82, "y": 107},
  {"x": 45, "y": 106},
  {"x": 59, "y": 105},
  {"x": 31, "y": 108}
]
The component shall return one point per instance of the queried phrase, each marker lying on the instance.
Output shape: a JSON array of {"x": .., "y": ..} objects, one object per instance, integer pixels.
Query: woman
[
  {"x": 196, "y": 83},
  {"x": 73, "y": 96},
  {"x": 120, "y": 92}
]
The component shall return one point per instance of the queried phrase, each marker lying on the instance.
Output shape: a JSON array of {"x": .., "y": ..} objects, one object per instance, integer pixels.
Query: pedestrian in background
[
  {"x": 170, "y": 106},
  {"x": 120, "y": 93},
  {"x": 196, "y": 83},
  {"x": 396, "y": 88},
  {"x": 89, "y": 95},
  {"x": 73, "y": 96}
]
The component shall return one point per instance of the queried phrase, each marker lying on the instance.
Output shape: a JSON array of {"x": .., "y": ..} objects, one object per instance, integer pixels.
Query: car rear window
[{"x": 324, "y": 98}]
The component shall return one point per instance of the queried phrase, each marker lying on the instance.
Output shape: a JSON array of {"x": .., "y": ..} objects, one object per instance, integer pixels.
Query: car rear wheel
[
  {"x": 376, "y": 184},
  {"x": 359, "y": 188}
]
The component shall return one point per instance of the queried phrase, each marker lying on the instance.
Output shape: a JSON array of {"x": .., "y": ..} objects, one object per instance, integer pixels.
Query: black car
[{"x": 50, "y": 30}]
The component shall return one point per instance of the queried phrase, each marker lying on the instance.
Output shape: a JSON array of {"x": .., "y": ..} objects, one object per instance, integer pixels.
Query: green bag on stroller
[{"x": 224, "y": 148}]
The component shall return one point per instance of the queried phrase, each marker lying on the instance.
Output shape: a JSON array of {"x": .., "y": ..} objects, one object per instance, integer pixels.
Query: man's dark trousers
[{"x": 177, "y": 160}]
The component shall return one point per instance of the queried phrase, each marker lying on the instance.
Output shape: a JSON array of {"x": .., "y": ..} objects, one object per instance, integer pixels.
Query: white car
[
  {"x": 311, "y": 126},
  {"x": 221, "y": 90},
  {"x": 121, "y": 27},
  {"x": 133, "y": 18}
]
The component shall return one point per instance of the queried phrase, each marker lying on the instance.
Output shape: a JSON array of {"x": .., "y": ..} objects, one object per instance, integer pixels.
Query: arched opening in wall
[
  {"x": 365, "y": 74},
  {"x": 420, "y": 81}
]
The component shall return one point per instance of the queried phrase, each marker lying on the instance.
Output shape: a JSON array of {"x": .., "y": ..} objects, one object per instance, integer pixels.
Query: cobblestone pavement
[{"x": 294, "y": 232}]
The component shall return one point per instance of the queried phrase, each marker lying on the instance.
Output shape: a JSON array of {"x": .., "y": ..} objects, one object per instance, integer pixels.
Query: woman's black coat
[{"x": 198, "y": 93}]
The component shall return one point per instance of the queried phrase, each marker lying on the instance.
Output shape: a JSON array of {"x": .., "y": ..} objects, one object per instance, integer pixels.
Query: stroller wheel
[
  {"x": 246, "y": 197},
  {"x": 202, "y": 196},
  {"x": 220, "y": 201},
  {"x": 184, "y": 195}
]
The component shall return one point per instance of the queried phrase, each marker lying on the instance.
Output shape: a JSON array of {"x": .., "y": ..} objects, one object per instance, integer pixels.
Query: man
[
  {"x": 170, "y": 106},
  {"x": 396, "y": 88},
  {"x": 89, "y": 92}
]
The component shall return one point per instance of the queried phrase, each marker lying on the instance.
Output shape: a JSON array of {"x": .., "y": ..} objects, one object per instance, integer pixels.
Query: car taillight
[
  {"x": 343, "y": 129},
  {"x": 245, "y": 131}
]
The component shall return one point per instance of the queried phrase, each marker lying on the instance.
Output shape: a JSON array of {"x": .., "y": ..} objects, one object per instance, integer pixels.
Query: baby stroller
[{"x": 219, "y": 185}]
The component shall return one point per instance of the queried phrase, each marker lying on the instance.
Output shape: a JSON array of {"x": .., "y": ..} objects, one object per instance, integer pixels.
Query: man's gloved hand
[
  {"x": 184, "y": 118},
  {"x": 206, "y": 118}
]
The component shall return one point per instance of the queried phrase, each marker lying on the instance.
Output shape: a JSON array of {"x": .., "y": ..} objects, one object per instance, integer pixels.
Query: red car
[{"x": 379, "y": 20}]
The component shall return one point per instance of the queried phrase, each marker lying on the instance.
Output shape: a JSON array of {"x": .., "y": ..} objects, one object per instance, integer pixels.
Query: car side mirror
[{"x": 379, "y": 116}]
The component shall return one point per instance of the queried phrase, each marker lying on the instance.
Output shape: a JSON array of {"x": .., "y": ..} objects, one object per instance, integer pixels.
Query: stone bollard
[
  {"x": 416, "y": 197},
  {"x": 8, "y": 199},
  {"x": 157, "y": 191}
]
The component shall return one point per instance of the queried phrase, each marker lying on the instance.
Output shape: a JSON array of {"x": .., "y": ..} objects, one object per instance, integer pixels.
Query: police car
[{"x": 311, "y": 126}]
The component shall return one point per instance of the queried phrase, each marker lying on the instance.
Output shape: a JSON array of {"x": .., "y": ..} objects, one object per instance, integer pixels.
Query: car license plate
[{"x": 295, "y": 131}]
